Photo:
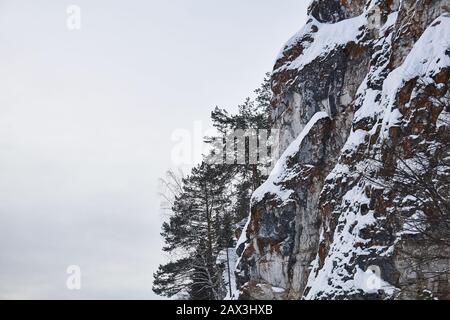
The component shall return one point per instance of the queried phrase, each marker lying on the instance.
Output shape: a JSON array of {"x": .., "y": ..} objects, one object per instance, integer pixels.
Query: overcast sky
[{"x": 86, "y": 118}]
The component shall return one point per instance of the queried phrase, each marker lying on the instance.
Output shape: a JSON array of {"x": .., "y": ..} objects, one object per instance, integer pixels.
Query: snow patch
[
  {"x": 278, "y": 174},
  {"x": 326, "y": 39}
]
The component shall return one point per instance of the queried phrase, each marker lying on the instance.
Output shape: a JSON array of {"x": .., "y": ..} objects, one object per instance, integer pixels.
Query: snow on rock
[
  {"x": 327, "y": 223},
  {"x": 281, "y": 171},
  {"x": 322, "y": 39},
  {"x": 334, "y": 278},
  {"x": 443, "y": 119}
]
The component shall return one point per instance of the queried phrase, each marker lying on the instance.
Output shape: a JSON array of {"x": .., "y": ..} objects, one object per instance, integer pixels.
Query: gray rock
[{"x": 342, "y": 219}]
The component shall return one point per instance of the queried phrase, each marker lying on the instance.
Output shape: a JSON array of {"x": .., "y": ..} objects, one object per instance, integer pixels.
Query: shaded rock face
[
  {"x": 330, "y": 218},
  {"x": 331, "y": 11}
]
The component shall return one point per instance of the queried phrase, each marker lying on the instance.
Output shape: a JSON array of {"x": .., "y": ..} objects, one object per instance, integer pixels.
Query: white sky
[{"x": 85, "y": 127}]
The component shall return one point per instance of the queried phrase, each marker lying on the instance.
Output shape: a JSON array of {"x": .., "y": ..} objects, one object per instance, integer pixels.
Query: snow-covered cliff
[{"x": 359, "y": 92}]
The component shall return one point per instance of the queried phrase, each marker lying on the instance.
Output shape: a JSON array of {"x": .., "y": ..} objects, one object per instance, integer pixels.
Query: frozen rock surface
[{"x": 356, "y": 84}]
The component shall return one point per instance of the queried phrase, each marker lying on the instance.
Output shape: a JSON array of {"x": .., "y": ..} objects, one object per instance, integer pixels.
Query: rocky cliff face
[{"x": 359, "y": 92}]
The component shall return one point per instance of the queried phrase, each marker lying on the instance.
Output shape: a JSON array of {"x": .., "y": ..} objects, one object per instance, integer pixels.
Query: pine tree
[
  {"x": 204, "y": 208},
  {"x": 252, "y": 114},
  {"x": 193, "y": 232}
]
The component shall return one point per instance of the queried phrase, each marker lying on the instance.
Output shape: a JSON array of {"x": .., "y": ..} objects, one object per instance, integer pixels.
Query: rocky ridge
[{"x": 358, "y": 92}]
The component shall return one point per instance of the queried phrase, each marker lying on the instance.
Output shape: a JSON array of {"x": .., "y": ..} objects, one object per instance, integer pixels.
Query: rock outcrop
[{"x": 359, "y": 93}]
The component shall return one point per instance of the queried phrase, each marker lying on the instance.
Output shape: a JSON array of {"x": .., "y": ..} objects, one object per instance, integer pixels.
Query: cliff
[{"x": 360, "y": 95}]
